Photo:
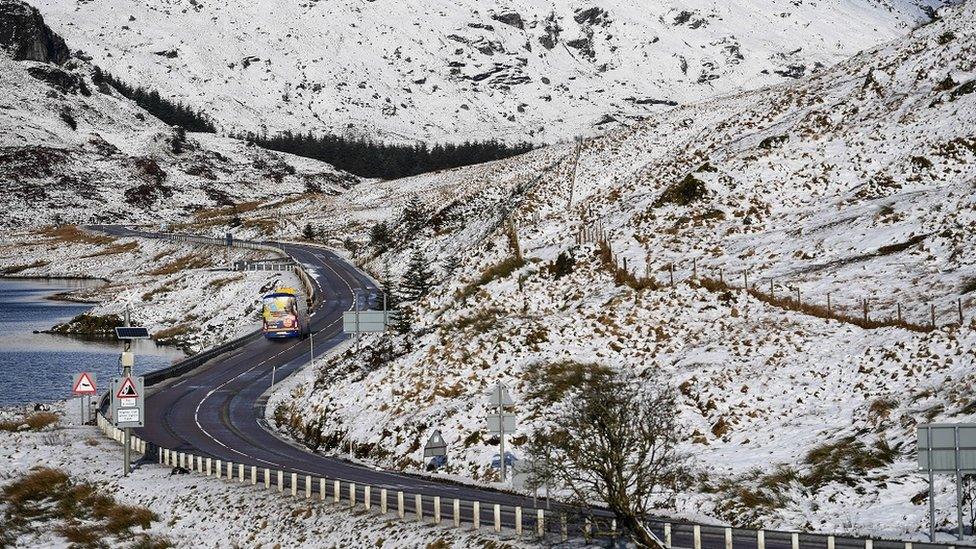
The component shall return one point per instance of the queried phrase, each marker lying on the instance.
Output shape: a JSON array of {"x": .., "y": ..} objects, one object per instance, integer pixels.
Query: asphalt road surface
[{"x": 217, "y": 411}]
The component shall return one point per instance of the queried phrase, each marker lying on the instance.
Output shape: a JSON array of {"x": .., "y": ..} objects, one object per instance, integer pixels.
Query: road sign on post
[
  {"x": 946, "y": 448},
  {"x": 361, "y": 322},
  {"x": 128, "y": 402},
  {"x": 84, "y": 387},
  {"x": 501, "y": 422},
  {"x": 435, "y": 445}
]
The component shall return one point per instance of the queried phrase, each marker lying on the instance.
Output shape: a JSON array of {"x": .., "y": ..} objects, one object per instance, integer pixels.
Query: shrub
[
  {"x": 502, "y": 269},
  {"x": 684, "y": 192}
]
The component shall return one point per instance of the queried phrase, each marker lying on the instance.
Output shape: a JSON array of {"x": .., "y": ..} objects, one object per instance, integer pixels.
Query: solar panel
[{"x": 128, "y": 332}]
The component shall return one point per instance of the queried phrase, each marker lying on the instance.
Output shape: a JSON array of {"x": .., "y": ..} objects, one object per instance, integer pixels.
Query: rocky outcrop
[{"x": 24, "y": 34}]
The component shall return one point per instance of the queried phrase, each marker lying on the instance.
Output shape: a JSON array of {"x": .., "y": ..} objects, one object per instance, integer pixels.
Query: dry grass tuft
[
  {"x": 117, "y": 248},
  {"x": 72, "y": 234},
  {"x": 33, "y": 422},
  {"x": 191, "y": 261}
]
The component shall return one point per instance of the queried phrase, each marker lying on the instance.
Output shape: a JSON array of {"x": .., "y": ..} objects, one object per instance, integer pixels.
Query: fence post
[
  {"x": 209, "y": 464},
  {"x": 795, "y": 539},
  {"x": 761, "y": 540},
  {"x": 336, "y": 492},
  {"x": 728, "y": 538},
  {"x": 671, "y": 273},
  {"x": 696, "y": 532},
  {"x": 457, "y": 513},
  {"x": 418, "y": 504},
  {"x": 959, "y": 303},
  {"x": 218, "y": 469},
  {"x": 830, "y": 542},
  {"x": 267, "y": 478},
  {"x": 366, "y": 497},
  {"x": 498, "y": 518},
  {"x": 864, "y": 302},
  {"x": 899, "y": 312},
  {"x": 383, "y": 500},
  {"x": 322, "y": 489},
  {"x": 868, "y": 544},
  {"x": 294, "y": 484},
  {"x": 400, "y": 510},
  {"x": 540, "y": 522},
  {"x": 160, "y": 452},
  {"x": 830, "y": 312},
  {"x": 308, "y": 486},
  {"x": 281, "y": 481},
  {"x": 254, "y": 475},
  {"x": 230, "y": 470},
  {"x": 518, "y": 521},
  {"x": 745, "y": 279},
  {"x": 352, "y": 495},
  {"x": 437, "y": 509},
  {"x": 908, "y": 545},
  {"x": 240, "y": 473},
  {"x": 475, "y": 515},
  {"x": 667, "y": 535},
  {"x": 933, "y": 315}
]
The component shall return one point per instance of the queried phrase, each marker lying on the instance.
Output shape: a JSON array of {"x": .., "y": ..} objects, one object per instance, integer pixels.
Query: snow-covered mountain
[
  {"x": 454, "y": 70},
  {"x": 72, "y": 148},
  {"x": 857, "y": 182}
]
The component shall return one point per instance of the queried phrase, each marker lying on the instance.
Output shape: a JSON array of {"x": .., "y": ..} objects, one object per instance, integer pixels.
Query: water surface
[{"x": 40, "y": 367}]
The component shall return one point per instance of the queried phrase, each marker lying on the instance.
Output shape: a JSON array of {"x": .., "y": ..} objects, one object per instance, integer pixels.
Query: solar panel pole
[{"x": 127, "y": 372}]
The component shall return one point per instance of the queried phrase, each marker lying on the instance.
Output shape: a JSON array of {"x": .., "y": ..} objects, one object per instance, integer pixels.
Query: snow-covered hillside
[
  {"x": 451, "y": 70},
  {"x": 72, "y": 146},
  {"x": 858, "y": 181}
]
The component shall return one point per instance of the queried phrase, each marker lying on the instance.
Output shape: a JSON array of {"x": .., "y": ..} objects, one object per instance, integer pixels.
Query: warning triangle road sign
[
  {"x": 84, "y": 385},
  {"x": 127, "y": 390}
]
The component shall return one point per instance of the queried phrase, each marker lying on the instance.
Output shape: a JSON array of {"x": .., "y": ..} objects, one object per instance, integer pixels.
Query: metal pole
[
  {"x": 501, "y": 431},
  {"x": 958, "y": 487},
  {"x": 928, "y": 434},
  {"x": 127, "y": 432}
]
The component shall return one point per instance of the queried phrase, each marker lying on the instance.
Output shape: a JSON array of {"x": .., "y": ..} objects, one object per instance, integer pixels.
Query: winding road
[{"x": 217, "y": 410}]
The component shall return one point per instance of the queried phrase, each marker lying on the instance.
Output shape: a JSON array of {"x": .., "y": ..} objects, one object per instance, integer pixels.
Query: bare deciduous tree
[{"x": 614, "y": 442}]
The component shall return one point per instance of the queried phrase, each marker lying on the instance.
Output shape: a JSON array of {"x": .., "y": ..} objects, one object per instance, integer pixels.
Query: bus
[{"x": 284, "y": 314}]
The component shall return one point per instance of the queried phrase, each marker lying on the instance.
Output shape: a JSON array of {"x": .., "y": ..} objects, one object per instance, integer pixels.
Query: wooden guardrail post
[
  {"x": 761, "y": 539},
  {"x": 337, "y": 491},
  {"x": 830, "y": 542},
  {"x": 267, "y": 478},
  {"x": 795, "y": 540},
  {"x": 437, "y": 509},
  {"x": 475, "y": 515},
  {"x": 254, "y": 475},
  {"x": 352, "y": 495},
  {"x": 308, "y": 486},
  {"x": 456, "y": 513},
  {"x": 240, "y": 473},
  {"x": 418, "y": 503},
  {"x": 401, "y": 512},
  {"x": 498, "y": 518},
  {"x": 367, "y": 497},
  {"x": 383, "y": 500},
  {"x": 696, "y": 533},
  {"x": 728, "y": 538},
  {"x": 281, "y": 480},
  {"x": 540, "y": 522},
  {"x": 667, "y": 535},
  {"x": 322, "y": 489},
  {"x": 518, "y": 520},
  {"x": 294, "y": 484}
]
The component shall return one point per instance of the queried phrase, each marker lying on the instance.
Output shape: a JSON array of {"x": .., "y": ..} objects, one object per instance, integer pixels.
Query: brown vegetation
[
  {"x": 33, "y": 422},
  {"x": 73, "y": 235}
]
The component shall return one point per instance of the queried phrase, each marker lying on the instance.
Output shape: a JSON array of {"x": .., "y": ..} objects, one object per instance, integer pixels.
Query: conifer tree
[
  {"x": 417, "y": 279},
  {"x": 414, "y": 215},
  {"x": 308, "y": 232}
]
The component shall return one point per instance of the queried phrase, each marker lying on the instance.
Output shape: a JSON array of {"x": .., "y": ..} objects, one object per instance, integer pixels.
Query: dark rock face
[
  {"x": 63, "y": 81},
  {"x": 24, "y": 34},
  {"x": 510, "y": 18}
]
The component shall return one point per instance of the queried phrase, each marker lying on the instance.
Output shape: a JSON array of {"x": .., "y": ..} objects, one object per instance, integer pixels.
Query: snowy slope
[
  {"x": 72, "y": 146},
  {"x": 857, "y": 181},
  {"x": 457, "y": 70}
]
